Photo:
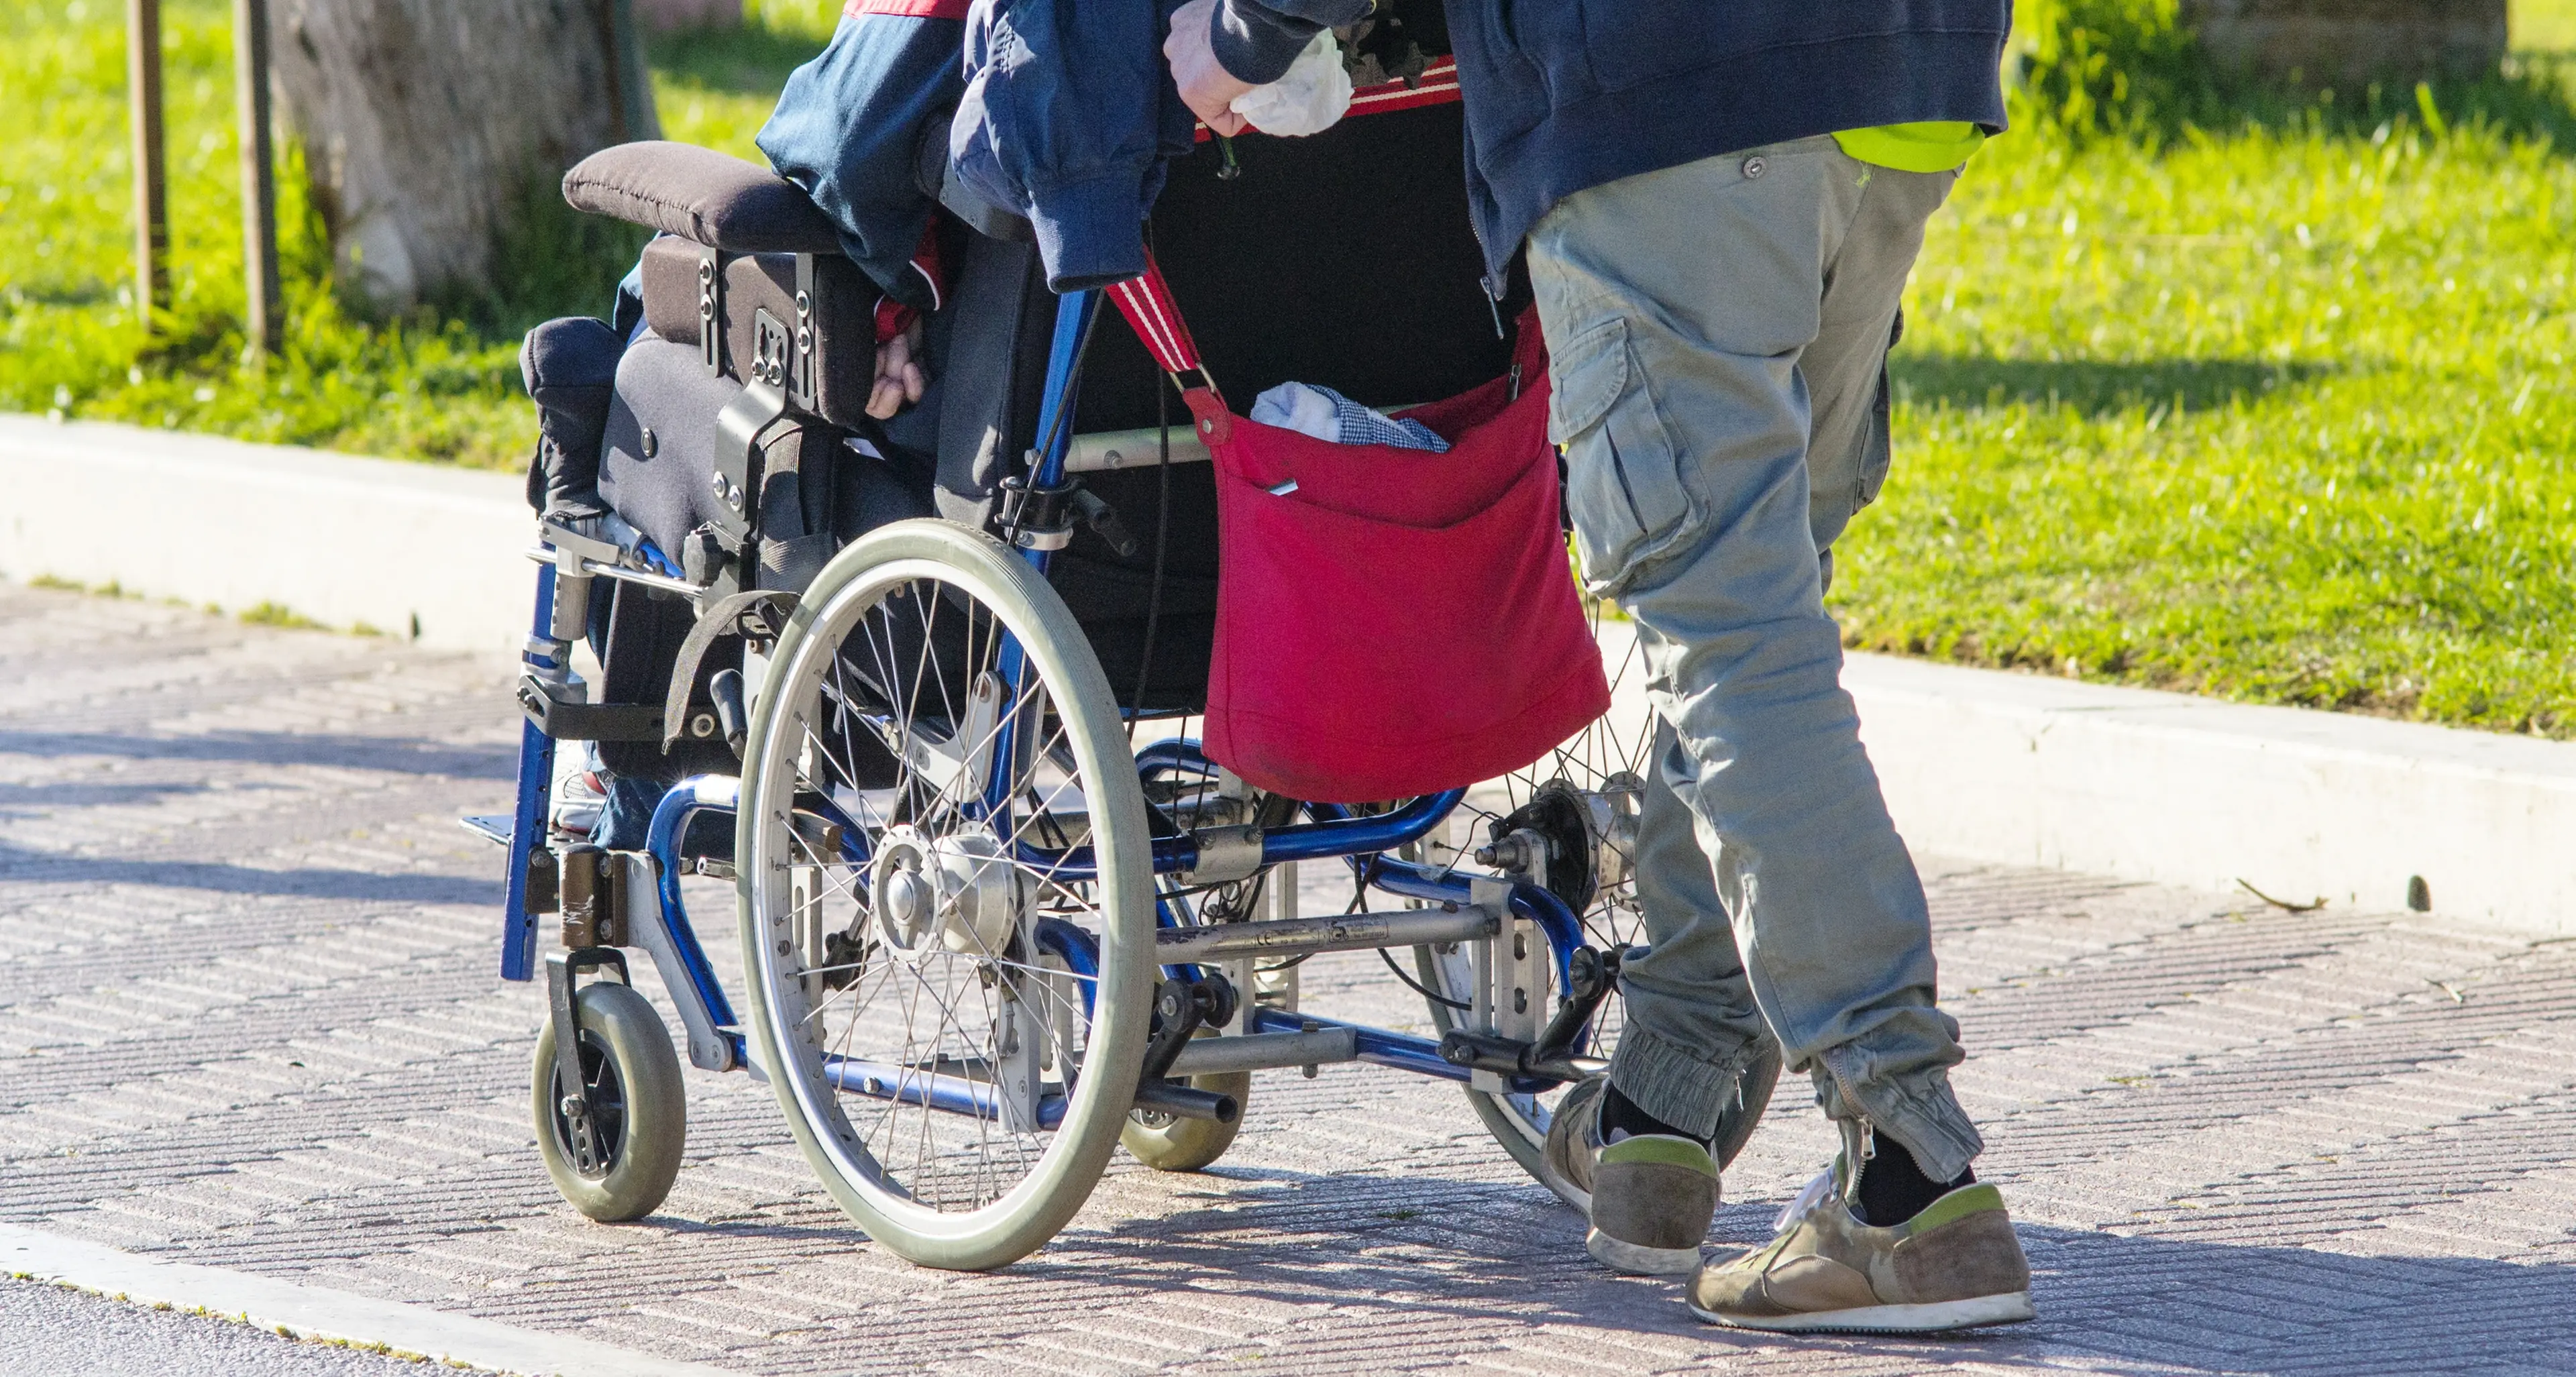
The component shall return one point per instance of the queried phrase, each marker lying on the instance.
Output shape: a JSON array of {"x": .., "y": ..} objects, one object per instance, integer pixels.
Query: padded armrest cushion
[{"x": 703, "y": 195}]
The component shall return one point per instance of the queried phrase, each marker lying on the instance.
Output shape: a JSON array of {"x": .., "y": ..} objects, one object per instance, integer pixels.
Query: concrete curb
[
  {"x": 2009, "y": 768},
  {"x": 320, "y": 1313},
  {"x": 412, "y": 550},
  {"x": 2194, "y": 792}
]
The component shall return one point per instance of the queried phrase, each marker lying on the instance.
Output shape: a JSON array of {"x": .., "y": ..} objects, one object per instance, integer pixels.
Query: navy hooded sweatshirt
[{"x": 1567, "y": 94}]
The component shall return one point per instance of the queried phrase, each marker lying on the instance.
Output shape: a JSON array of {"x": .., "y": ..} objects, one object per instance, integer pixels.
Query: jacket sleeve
[
  {"x": 1256, "y": 40},
  {"x": 849, "y": 126}
]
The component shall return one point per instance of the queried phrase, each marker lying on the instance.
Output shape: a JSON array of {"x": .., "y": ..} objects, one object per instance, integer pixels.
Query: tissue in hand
[{"x": 1308, "y": 99}]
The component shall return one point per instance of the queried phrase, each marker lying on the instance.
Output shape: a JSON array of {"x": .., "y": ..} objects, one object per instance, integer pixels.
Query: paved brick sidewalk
[{"x": 249, "y": 1017}]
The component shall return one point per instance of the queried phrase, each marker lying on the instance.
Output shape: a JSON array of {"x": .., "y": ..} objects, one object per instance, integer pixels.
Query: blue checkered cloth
[{"x": 1328, "y": 415}]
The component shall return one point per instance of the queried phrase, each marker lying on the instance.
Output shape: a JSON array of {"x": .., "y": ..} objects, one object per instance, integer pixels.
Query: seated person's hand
[
  {"x": 899, "y": 377},
  {"x": 1206, "y": 86}
]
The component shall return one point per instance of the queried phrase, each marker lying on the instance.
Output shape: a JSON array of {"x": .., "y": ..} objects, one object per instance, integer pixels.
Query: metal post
[
  {"x": 630, "y": 81},
  {"x": 264, "y": 313},
  {"x": 151, "y": 196}
]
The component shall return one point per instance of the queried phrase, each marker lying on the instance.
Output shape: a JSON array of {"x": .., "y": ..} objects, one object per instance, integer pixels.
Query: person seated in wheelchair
[{"x": 865, "y": 130}]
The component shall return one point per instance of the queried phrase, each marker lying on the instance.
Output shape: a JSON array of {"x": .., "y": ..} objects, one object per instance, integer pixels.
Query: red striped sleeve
[{"x": 907, "y": 9}]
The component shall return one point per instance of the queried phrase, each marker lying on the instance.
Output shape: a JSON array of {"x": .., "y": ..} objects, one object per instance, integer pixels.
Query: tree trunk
[
  {"x": 430, "y": 127},
  {"x": 2345, "y": 42}
]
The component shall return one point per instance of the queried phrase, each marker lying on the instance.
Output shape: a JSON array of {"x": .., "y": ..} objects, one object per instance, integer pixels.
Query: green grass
[
  {"x": 2546, "y": 25},
  {"x": 2277, "y": 414},
  {"x": 439, "y": 383},
  {"x": 2230, "y": 391}
]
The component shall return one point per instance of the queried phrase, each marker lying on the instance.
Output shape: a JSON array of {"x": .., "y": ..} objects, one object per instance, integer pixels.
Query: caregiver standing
[{"x": 1721, "y": 205}]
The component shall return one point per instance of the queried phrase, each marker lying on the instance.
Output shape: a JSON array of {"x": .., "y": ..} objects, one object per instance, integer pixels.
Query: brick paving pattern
[{"x": 249, "y": 1017}]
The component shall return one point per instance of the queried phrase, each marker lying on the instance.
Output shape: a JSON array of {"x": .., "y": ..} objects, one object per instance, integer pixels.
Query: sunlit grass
[
  {"x": 2280, "y": 416},
  {"x": 2547, "y": 25}
]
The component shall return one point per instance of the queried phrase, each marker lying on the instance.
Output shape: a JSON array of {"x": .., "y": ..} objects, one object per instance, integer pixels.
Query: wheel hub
[
  {"x": 954, "y": 893},
  {"x": 1590, "y": 835}
]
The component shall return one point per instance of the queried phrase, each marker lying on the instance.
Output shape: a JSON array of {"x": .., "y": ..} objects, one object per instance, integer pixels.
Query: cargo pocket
[
  {"x": 1877, "y": 447},
  {"x": 1625, "y": 489}
]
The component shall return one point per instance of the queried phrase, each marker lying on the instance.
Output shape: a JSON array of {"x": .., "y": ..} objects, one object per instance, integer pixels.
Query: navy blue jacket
[
  {"x": 1068, "y": 115},
  {"x": 848, "y": 128},
  {"x": 1567, "y": 94}
]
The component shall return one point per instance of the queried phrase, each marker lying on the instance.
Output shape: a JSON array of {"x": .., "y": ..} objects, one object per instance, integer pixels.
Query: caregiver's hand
[{"x": 1206, "y": 86}]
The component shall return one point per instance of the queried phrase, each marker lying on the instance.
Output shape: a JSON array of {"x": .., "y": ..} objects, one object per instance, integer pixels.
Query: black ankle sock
[
  {"x": 1621, "y": 1114},
  {"x": 1893, "y": 1188}
]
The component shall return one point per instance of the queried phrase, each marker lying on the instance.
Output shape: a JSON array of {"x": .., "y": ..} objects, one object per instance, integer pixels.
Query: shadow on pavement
[
  {"x": 2091, "y": 387},
  {"x": 25, "y": 866},
  {"x": 394, "y": 754},
  {"x": 2107, "y": 1302}
]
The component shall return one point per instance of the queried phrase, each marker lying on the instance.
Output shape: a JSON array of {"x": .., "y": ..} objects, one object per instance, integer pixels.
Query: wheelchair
[{"x": 928, "y": 706}]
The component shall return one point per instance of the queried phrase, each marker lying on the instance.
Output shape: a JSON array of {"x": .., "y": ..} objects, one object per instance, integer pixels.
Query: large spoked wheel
[
  {"x": 946, "y": 895},
  {"x": 639, "y": 1108},
  {"x": 1584, "y": 798}
]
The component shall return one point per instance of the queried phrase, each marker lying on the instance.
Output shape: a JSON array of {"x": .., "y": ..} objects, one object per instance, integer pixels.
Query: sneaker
[
  {"x": 1649, "y": 1197},
  {"x": 1957, "y": 1265},
  {"x": 1573, "y": 1142},
  {"x": 579, "y": 799}
]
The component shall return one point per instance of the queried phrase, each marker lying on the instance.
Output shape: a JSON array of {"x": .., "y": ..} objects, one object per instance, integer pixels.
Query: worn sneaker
[
  {"x": 1573, "y": 1141},
  {"x": 1650, "y": 1197},
  {"x": 1957, "y": 1265},
  {"x": 579, "y": 800}
]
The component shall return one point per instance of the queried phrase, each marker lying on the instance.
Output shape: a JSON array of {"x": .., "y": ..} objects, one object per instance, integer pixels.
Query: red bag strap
[{"x": 1148, "y": 305}]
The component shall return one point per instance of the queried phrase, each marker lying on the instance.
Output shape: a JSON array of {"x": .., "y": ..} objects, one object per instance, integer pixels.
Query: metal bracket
[
  {"x": 1182, "y": 1006},
  {"x": 592, "y": 898},
  {"x": 1226, "y": 855},
  {"x": 648, "y": 926},
  {"x": 564, "y": 712},
  {"x": 1551, "y": 1056},
  {"x": 576, "y": 1106},
  {"x": 1037, "y": 518},
  {"x": 805, "y": 382},
  {"x": 711, "y": 322},
  {"x": 739, "y": 426}
]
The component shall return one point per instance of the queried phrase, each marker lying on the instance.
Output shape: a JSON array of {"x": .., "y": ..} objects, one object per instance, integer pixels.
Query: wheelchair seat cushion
[{"x": 698, "y": 193}]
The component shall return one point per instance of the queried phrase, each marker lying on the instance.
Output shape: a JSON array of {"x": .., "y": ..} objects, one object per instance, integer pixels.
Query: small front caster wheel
[{"x": 639, "y": 1109}]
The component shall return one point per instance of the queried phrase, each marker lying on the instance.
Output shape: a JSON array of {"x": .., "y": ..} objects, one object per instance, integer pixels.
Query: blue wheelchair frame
[{"x": 717, "y": 1040}]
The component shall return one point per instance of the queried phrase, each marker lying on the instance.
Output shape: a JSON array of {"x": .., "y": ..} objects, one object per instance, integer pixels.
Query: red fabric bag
[{"x": 1399, "y": 622}]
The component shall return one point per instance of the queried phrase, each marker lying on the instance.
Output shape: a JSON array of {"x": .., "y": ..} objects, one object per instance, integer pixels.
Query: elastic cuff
[
  {"x": 1091, "y": 233},
  {"x": 1255, "y": 43},
  {"x": 1674, "y": 1084},
  {"x": 1923, "y": 1115}
]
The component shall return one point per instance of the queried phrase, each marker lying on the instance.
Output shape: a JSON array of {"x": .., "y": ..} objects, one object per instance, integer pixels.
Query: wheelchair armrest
[{"x": 700, "y": 194}]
